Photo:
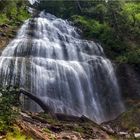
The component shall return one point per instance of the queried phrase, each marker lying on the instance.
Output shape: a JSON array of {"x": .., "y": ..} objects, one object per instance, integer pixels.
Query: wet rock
[
  {"x": 108, "y": 128},
  {"x": 4, "y": 25},
  {"x": 55, "y": 129},
  {"x": 124, "y": 134},
  {"x": 2, "y": 34}
]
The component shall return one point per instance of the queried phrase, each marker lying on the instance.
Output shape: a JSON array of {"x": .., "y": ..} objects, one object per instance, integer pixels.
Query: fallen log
[
  {"x": 36, "y": 99},
  {"x": 33, "y": 131}
]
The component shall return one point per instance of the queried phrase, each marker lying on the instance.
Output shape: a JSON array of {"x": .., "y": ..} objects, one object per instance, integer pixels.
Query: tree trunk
[
  {"x": 79, "y": 6},
  {"x": 45, "y": 107},
  {"x": 33, "y": 130}
]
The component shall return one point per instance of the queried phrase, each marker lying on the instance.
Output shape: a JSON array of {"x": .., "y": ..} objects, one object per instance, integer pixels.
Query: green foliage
[
  {"x": 122, "y": 59},
  {"x": 91, "y": 28},
  {"x": 9, "y": 101},
  {"x": 16, "y": 135},
  {"x": 13, "y": 12},
  {"x": 79, "y": 129},
  {"x": 49, "y": 133},
  {"x": 3, "y": 18},
  {"x": 48, "y": 117},
  {"x": 134, "y": 56}
]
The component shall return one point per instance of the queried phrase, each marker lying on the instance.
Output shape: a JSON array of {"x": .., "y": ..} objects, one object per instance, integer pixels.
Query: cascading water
[
  {"x": 71, "y": 75},
  {"x": 33, "y": 1}
]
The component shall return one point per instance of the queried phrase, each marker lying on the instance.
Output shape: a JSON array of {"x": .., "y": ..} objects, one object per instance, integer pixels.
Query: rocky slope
[
  {"x": 7, "y": 33},
  {"x": 41, "y": 126}
]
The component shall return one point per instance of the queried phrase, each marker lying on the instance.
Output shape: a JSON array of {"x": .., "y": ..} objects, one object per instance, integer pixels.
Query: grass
[{"x": 17, "y": 135}]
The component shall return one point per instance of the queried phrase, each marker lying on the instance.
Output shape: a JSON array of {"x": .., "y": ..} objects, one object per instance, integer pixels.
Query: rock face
[
  {"x": 6, "y": 34},
  {"x": 129, "y": 81}
]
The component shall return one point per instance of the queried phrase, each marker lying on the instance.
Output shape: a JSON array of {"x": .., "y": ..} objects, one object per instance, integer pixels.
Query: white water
[
  {"x": 70, "y": 74},
  {"x": 32, "y": 1}
]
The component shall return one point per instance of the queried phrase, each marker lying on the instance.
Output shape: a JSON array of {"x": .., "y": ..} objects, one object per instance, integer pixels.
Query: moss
[
  {"x": 48, "y": 118},
  {"x": 47, "y": 130},
  {"x": 79, "y": 129},
  {"x": 114, "y": 137},
  {"x": 129, "y": 120},
  {"x": 51, "y": 137},
  {"x": 16, "y": 134},
  {"x": 3, "y": 19}
]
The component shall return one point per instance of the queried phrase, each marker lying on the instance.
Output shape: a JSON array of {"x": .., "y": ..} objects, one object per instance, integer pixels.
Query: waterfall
[{"x": 71, "y": 75}]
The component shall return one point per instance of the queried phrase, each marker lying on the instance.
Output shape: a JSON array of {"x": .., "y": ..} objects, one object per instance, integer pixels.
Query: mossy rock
[
  {"x": 131, "y": 119},
  {"x": 128, "y": 121}
]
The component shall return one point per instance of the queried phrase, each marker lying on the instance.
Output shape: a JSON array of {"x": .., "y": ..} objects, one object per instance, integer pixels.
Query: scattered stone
[
  {"x": 123, "y": 133},
  {"x": 55, "y": 129},
  {"x": 1, "y": 137},
  {"x": 24, "y": 114},
  {"x": 69, "y": 136},
  {"x": 108, "y": 128},
  {"x": 137, "y": 135},
  {"x": 2, "y": 34}
]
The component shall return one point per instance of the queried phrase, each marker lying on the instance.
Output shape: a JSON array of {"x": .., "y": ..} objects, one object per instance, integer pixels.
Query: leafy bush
[
  {"x": 17, "y": 134},
  {"x": 134, "y": 56},
  {"x": 9, "y": 101},
  {"x": 90, "y": 27},
  {"x": 3, "y": 18},
  {"x": 13, "y": 12},
  {"x": 122, "y": 59}
]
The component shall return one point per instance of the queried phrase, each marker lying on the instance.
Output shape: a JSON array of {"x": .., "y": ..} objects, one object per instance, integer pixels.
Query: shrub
[{"x": 9, "y": 101}]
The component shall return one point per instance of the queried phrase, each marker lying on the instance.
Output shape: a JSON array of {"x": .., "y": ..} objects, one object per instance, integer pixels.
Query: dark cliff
[{"x": 129, "y": 81}]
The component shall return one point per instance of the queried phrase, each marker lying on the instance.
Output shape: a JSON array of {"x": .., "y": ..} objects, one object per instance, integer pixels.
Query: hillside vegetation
[{"x": 12, "y": 14}]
